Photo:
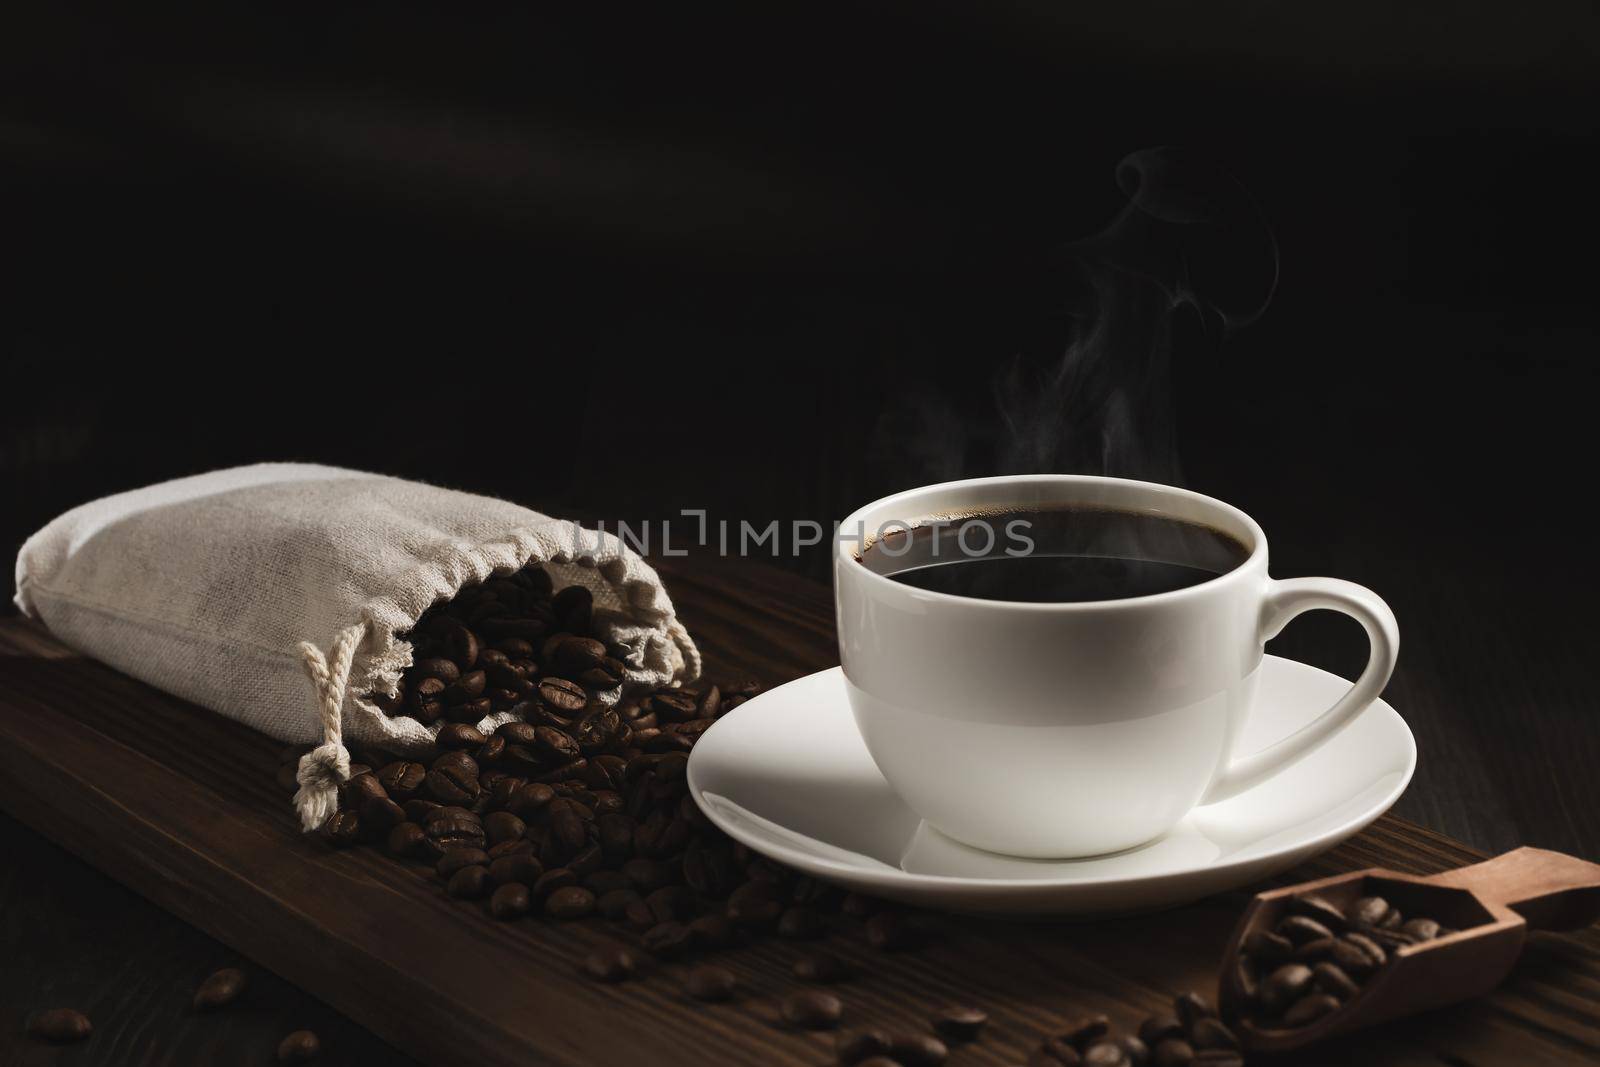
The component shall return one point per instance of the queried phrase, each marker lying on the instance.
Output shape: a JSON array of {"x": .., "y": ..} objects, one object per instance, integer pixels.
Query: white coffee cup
[{"x": 1075, "y": 729}]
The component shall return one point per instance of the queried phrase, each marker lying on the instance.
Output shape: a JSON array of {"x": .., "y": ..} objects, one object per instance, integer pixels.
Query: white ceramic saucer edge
[{"x": 1073, "y": 896}]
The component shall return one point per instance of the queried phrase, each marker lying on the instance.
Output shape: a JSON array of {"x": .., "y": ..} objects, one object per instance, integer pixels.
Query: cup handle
[{"x": 1282, "y": 602}]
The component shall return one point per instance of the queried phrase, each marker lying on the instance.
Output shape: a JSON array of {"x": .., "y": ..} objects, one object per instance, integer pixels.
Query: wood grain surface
[{"x": 180, "y": 805}]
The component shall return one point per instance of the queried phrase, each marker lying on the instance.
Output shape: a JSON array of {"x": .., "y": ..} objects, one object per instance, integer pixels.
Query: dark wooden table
[{"x": 180, "y": 805}]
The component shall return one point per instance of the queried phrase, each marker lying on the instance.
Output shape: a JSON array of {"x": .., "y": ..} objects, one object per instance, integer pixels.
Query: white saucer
[{"x": 788, "y": 775}]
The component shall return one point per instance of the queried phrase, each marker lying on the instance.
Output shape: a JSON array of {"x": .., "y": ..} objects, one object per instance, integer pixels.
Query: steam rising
[
  {"x": 1189, "y": 257},
  {"x": 1188, "y": 260}
]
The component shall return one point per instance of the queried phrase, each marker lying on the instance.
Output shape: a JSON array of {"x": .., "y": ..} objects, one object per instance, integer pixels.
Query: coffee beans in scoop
[{"x": 1319, "y": 956}]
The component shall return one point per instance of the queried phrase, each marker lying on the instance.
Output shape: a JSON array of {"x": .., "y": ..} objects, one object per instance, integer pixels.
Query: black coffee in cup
[{"x": 1059, "y": 555}]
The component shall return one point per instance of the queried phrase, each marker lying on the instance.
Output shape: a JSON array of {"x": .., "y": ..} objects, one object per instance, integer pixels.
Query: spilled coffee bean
[
  {"x": 711, "y": 983},
  {"x": 1332, "y": 953},
  {"x": 60, "y": 1025},
  {"x": 611, "y": 963},
  {"x": 812, "y": 1010},
  {"x": 821, "y": 967},
  {"x": 302, "y": 1046},
  {"x": 960, "y": 1022},
  {"x": 220, "y": 990}
]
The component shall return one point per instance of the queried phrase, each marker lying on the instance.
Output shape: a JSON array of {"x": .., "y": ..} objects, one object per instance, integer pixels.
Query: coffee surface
[{"x": 1064, "y": 555}]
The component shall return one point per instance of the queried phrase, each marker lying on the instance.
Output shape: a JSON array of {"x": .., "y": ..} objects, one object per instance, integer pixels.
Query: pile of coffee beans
[
  {"x": 1191, "y": 1034},
  {"x": 1318, "y": 956},
  {"x": 497, "y": 645}
]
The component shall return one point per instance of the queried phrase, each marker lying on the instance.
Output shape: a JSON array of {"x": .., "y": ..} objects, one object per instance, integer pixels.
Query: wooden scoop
[{"x": 1490, "y": 906}]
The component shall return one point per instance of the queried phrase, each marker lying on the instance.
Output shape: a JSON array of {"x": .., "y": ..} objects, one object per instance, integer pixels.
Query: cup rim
[{"x": 844, "y": 556}]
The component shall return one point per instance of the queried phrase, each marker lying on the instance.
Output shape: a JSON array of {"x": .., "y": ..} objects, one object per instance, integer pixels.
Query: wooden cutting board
[{"x": 180, "y": 804}]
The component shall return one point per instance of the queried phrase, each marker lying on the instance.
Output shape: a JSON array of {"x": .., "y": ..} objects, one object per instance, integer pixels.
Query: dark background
[{"x": 770, "y": 261}]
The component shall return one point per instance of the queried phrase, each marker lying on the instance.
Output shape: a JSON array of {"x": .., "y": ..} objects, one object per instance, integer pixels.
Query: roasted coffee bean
[
  {"x": 459, "y": 735},
  {"x": 1309, "y": 1009},
  {"x": 417, "y": 811},
  {"x": 60, "y": 1025},
  {"x": 424, "y": 702},
  {"x": 671, "y": 705},
  {"x": 1358, "y": 954},
  {"x": 488, "y": 754},
  {"x": 672, "y": 902},
  {"x": 1300, "y": 928},
  {"x": 1315, "y": 906},
  {"x": 470, "y": 711},
  {"x": 1312, "y": 951},
  {"x": 221, "y": 989},
  {"x": 861, "y": 1045},
  {"x": 572, "y": 606},
  {"x": 1218, "y": 1057},
  {"x": 343, "y": 829},
  {"x": 462, "y": 645},
  {"x": 457, "y": 858},
  {"x": 889, "y": 931},
  {"x": 1157, "y": 1028},
  {"x": 531, "y": 799},
  {"x": 638, "y": 916},
  {"x": 501, "y": 826},
  {"x": 714, "y": 931},
  {"x": 359, "y": 786},
  {"x": 302, "y": 1046},
  {"x": 801, "y": 923},
  {"x": 563, "y": 696},
  {"x": 611, "y": 963},
  {"x": 917, "y": 1050},
  {"x": 435, "y": 667},
  {"x": 1054, "y": 1052},
  {"x": 550, "y": 881},
  {"x": 812, "y": 1009},
  {"x": 571, "y": 902},
  {"x": 1212, "y": 1033},
  {"x": 1369, "y": 911},
  {"x": 468, "y": 687},
  {"x": 408, "y": 841},
  {"x": 453, "y": 781},
  {"x": 1330, "y": 978},
  {"x": 1284, "y": 986},
  {"x": 1267, "y": 946},
  {"x": 469, "y": 883},
  {"x": 614, "y": 903},
  {"x": 449, "y": 830},
  {"x": 710, "y": 983},
  {"x": 1105, "y": 1054},
  {"x": 1421, "y": 929},
  {"x": 1137, "y": 1051},
  {"x": 288, "y": 777},
  {"x": 616, "y": 838},
  {"x": 574, "y": 655},
  {"x": 754, "y": 904},
  {"x": 554, "y": 746},
  {"x": 510, "y": 901},
  {"x": 379, "y": 815},
  {"x": 1192, "y": 1008},
  {"x": 709, "y": 871},
  {"x": 1172, "y": 1052},
  {"x": 1080, "y": 1032},
  {"x": 509, "y": 848},
  {"x": 522, "y": 867},
  {"x": 822, "y": 967},
  {"x": 960, "y": 1022},
  {"x": 402, "y": 778},
  {"x": 668, "y": 940}
]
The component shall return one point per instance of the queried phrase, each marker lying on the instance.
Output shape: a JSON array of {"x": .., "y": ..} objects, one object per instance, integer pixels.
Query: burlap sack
[{"x": 226, "y": 588}]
